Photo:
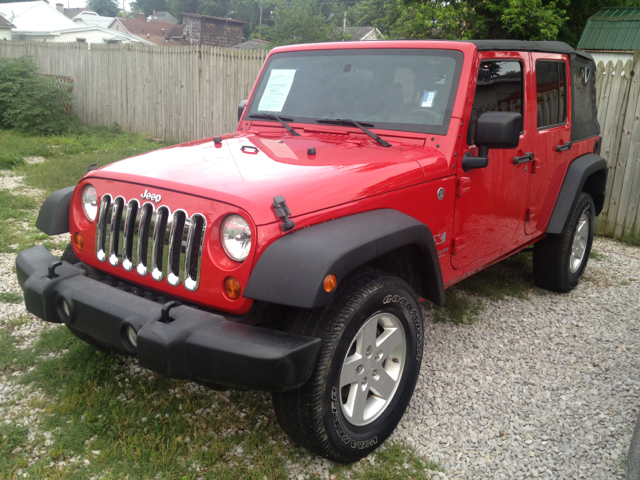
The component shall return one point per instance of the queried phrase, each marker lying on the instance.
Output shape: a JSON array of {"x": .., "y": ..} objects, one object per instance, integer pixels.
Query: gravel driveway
[{"x": 542, "y": 388}]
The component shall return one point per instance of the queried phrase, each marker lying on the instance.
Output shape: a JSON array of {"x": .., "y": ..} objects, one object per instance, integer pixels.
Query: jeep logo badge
[{"x": 154, "y": 197}]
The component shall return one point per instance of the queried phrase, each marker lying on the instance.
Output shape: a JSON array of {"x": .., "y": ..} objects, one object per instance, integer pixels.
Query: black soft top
[{"x": 522, "y": 46}]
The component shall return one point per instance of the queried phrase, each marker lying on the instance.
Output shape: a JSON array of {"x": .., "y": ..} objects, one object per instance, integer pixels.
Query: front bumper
[{"x": 184, "y": 342}]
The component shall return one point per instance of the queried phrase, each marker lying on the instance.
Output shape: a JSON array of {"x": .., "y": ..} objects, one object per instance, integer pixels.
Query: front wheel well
[{"x": 407, "y": 263}]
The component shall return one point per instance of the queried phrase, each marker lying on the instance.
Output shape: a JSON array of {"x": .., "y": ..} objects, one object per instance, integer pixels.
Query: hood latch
[{"x": 282, "y": 211}]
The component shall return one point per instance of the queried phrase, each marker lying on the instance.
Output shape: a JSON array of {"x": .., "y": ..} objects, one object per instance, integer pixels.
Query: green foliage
[
  {"x": 7, "y": 297},
  {"x": 30, "y": 103},
  {"x": 9, "y": 161},
  {"x": 304, "y": 21},
  {"x": 105, "y": 8}
]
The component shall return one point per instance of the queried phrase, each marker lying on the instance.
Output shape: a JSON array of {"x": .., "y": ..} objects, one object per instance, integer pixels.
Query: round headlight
[
  {"x": 235, "y": 236},
  {"x": 90, "y": 202}
]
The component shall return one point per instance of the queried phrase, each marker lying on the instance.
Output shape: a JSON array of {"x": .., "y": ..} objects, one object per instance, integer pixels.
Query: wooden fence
[
  {"x": 172, "y": 93},
  {"x": 618, "y": 89}
]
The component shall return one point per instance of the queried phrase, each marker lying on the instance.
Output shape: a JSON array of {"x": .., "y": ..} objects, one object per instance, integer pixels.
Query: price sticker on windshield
[
  {"x": 277, "y": 90},
  {"x": 427, "y": 98}
]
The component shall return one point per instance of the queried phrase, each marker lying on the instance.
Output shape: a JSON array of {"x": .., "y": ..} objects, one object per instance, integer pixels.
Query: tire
[
  {"x": 559, "y": 260},
  {"x": 342, "y": 420},
  {"x": 69, "y": 256}
]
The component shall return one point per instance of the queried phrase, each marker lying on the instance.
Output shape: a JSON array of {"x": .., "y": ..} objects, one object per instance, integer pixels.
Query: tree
[
  {"x": 104, "y": 8},
  {"x": 304, "y": 21}
]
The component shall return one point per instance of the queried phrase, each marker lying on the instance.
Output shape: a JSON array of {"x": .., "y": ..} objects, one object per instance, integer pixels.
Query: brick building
[{"x": 205, "y": 30}]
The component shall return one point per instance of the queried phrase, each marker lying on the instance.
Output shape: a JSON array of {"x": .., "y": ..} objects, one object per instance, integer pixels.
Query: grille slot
[{"x": 152, "y": 240}]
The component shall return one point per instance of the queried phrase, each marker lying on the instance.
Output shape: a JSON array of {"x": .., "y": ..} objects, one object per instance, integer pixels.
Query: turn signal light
[
  {"x": 232, "y": 288},
  {"x": 78, "y": 241},
  {"x": 330, "y": 282}
]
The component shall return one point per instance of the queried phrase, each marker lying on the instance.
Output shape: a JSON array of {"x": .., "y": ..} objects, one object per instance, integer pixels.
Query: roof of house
[
  {"x": 612, "y": 28},
  {"x": 252, "y": 44},
  {"x": 35, "y": 17},
  {"x": 91, "y": 18},
  {"x": 164, "y": 17},
  {"x": 5, "y": 23},
  {"x": 152, "y": 31},
  {"x": 358, "y": 33},
  {"x": 207, "y": 17},
  {"x": 74, "y": 12}
]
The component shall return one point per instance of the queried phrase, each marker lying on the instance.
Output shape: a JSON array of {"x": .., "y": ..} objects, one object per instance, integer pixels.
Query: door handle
[
  {"x": 562, "y": 148},
  {"x": 527, "y": 157}
]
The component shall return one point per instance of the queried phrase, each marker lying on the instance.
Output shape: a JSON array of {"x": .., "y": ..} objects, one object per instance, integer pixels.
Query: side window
[
  {"x": 550, "y": 91},
  {"x": 500, "y": 88}
]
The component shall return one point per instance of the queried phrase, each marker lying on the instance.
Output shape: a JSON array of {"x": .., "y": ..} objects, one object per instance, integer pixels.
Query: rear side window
[
  {"x": 551, "y": 93},
  {"x": 499, "y": 89}
]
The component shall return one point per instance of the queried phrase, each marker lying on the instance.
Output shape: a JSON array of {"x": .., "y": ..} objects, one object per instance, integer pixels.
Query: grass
[
  {"x": 512, "y": 277},
  {"x": 595, "y": 255},
  {"x": 103, "y": 418},
  {"x": 6, "y": 297}
]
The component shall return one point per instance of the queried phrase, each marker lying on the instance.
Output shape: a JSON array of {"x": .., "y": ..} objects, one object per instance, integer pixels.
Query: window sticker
[
  {"x": 427, "y": 98},
  {"x": 277, "y": 90}
]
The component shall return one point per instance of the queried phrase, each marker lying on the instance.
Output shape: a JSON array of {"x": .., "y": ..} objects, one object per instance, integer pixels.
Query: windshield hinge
[
  {"x": 282, "y": 211},
  {"x": 464, "y": 185}
]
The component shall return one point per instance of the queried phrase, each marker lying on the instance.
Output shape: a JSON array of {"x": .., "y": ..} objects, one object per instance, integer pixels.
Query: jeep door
[{"x": 491, "y": 211}]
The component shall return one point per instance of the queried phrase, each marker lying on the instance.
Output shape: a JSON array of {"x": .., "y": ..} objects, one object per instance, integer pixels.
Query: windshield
[{"x": 394, "y": 89}]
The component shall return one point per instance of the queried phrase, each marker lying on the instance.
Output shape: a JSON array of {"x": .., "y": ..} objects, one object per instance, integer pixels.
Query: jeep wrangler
[{"x": 292, "y": 255}]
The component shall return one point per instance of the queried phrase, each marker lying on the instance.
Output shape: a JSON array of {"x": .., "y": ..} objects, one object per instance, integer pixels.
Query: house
[
  {"x": 363, "y": 33},
  {"x": 205, "y": 30},
  {"x": 612, "y": 34},
  {"x": 5, "y": 28},
  {"x": 154, "y": 31},
  {"x": 72, "y": 12},
  {"x": 94, "y": 20},
  {"x": 41, "y": 22},
  {"x": 163, "y": 17},
  {"x": 252, "y": 44}
]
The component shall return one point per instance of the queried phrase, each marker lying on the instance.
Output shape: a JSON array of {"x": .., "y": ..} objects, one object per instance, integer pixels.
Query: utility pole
[
  {"x": 344, "y": 22},
  {"x": 260, "y": 27}
]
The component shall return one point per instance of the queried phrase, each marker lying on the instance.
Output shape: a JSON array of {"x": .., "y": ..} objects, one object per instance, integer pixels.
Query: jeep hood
[{"x": 248, "y": 171}]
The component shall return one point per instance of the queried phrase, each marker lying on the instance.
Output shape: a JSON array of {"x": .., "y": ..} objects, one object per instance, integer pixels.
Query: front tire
[
  {"x": 367, "y": 368},
  {"x": 559, "y": 260}
]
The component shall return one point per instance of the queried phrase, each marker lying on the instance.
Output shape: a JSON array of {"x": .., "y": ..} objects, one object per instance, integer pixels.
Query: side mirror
[
  {"x": 243, "y": 104},
  {"x": 493, "y": 130}
]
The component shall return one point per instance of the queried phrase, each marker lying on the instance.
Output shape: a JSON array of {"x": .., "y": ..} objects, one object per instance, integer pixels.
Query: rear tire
[
  {"x": 559, "y": 260},
  {"x": 366, "y": 371}
]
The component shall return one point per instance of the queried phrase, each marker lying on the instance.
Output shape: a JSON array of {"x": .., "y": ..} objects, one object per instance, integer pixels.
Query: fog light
[
  {"x": 232, "y": 288},
  {"x": 329, "y": 283},
  {"x": 78, "y": 241},
  {"x": 66, "y": 309},
  {"x": 132, "y": 336}
]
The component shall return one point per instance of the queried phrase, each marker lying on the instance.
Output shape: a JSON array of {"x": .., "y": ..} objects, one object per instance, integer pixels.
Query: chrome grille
[{"x": 148, "y": 239}]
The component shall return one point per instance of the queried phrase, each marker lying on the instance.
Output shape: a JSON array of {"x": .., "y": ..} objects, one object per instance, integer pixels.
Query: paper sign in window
[
  {"x": 427, "y": 99},
  {"x": 277, "y": 90}
]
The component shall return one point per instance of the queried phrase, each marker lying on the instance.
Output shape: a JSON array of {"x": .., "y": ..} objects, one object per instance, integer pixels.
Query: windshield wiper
[
  {"x": 361, "y": 126},
  {"x": 280, "y": 119}
]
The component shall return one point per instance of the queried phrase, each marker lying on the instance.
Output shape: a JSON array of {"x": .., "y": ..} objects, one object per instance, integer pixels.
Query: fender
[
  {"x": 292, "y": 269},
  {"x": 53, "y": 218},
  {"x": 578, "y": 179}
]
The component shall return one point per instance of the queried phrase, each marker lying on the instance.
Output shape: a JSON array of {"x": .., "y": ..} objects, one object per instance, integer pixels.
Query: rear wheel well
[
  {"x": 595, "y": 185},
  {"x": 407, "y": 263}
]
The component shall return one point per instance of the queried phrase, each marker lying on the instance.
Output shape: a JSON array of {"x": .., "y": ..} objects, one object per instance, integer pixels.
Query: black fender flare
[
  {"x": 53, "y": 218},
  {"x": 292, "y": 269},
  {"x": 580, "y": 177}
]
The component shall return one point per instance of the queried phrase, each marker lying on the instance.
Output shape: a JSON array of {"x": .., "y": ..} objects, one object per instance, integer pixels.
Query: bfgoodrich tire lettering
[
  {"x": 559, "y": 260},
  {"x": 314, "y": 415}
]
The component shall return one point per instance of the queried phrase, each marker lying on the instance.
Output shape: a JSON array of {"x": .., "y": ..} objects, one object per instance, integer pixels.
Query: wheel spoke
[
  {"x": 384, "y": 386},
  {"x": 388, "y": 341},
  {"x": 354, "y": 408},
  {"x": 581, "y": 230},
  {"x": 349, "y": 372},
  {"x": 367, "y": 337}
]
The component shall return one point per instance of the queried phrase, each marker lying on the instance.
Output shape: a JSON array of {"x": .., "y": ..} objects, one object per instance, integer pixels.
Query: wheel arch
[
  {"x": 587, "y": 173},
  {"x": 292, "y": 269}
]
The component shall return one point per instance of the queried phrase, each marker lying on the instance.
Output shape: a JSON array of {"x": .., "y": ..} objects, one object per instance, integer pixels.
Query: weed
[
  {"x": 9, "y": 161},
  {"x": 7, "y": 297},
  {"x": 597, "y": 256},
  {"x": 18, "y": 215},
  {"x": 632, "y": 240}
]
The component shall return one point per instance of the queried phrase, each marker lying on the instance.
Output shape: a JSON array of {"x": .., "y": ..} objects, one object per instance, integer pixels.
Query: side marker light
[
  {"x": 232, "y": 288},
  {"x": 78, "y": 241},
  {"x": 329, "y": 283}
]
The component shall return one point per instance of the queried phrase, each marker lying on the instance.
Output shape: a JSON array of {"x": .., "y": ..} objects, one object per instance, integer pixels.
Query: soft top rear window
[{"x": 394, "y": 89}]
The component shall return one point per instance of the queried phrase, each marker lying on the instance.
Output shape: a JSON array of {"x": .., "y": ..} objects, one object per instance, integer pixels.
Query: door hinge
[
  {"x": 536, "y": 166},
  {"x": 458, "y": 244},
  {"x": 464, "y": 185},
  {"x": 531, "y": 214}
]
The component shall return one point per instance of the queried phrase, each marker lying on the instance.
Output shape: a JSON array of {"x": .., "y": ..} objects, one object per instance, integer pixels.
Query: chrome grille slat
[{"x": 145, "y": 239}]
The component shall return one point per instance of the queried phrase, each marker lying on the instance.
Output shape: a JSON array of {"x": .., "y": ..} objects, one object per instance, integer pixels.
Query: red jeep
[{"x": 292, "y": 255}]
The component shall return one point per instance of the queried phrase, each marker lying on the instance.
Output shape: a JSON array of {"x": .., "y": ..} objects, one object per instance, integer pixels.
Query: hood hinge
[{"x": 282, "y": 211}]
